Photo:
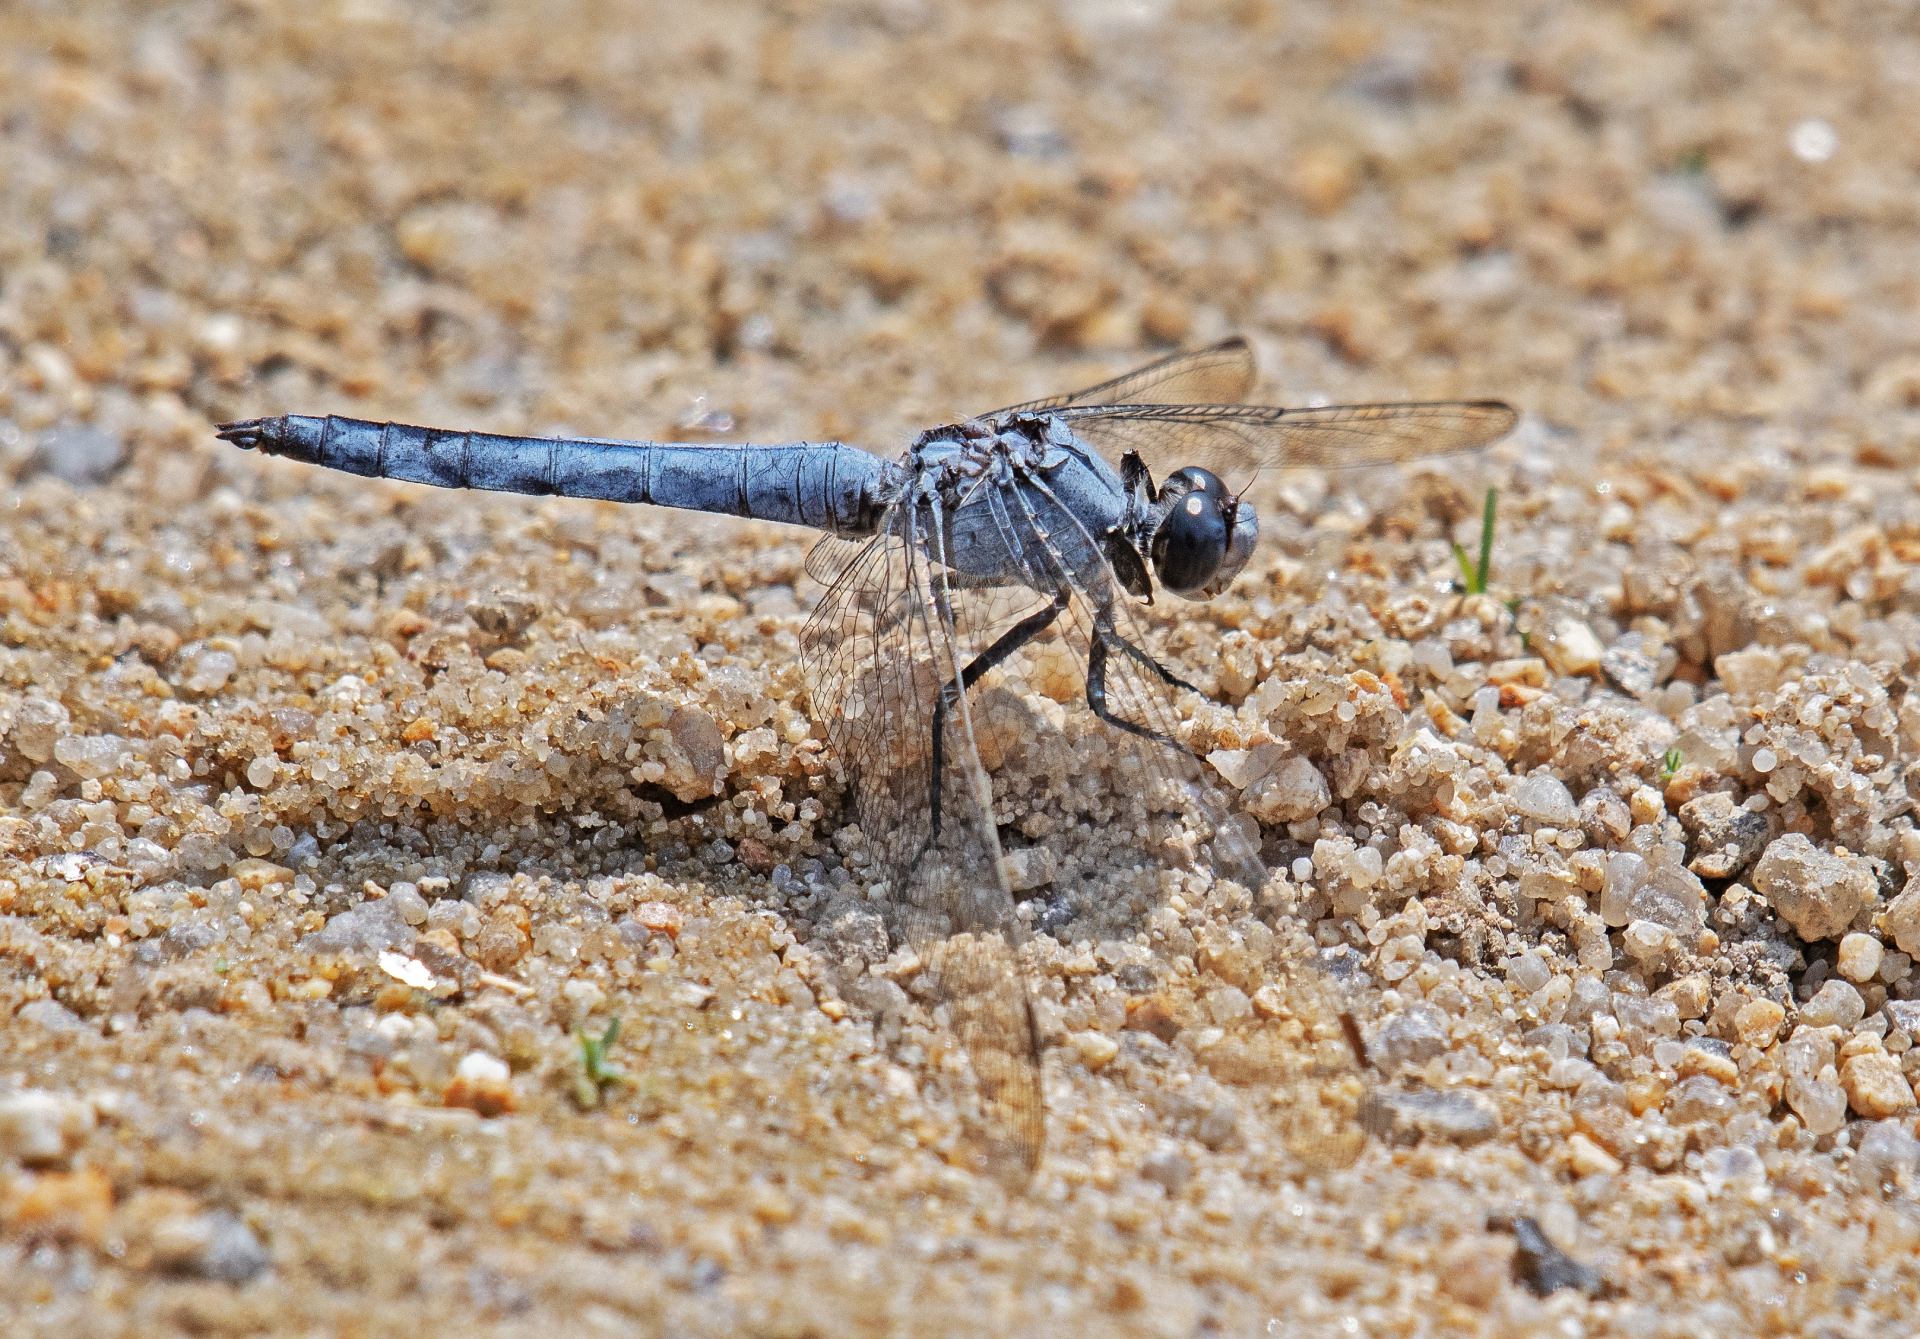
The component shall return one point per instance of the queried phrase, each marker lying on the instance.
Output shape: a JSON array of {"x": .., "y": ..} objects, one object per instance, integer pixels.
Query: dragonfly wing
[
  {"x": 1222, "y": 373},
  {"x": 830, "y": 557},
  {"x": 1234, "y": 439},
  {"x": 881, "y": 649}
]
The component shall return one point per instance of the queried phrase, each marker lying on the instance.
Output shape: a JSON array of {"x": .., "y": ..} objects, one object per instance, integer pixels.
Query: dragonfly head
[{"x": 1202, "y": 536}]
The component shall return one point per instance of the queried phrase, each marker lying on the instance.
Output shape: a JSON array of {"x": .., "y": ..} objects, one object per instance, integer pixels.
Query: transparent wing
[
  {"x": 1222, "y": 373},
  {"x": 1123, "y": 814},
  {"x": 831, "y": 556},
  {"x": 1231, "y": 439},
  {"x": 881, "y": 650}
]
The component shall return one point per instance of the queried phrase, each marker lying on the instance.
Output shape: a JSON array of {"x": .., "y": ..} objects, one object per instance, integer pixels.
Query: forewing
[
  {"x": 1234, "y": 439},
  {"x": 880, "y": 648},
  {"x": 1222, "y": 373}
]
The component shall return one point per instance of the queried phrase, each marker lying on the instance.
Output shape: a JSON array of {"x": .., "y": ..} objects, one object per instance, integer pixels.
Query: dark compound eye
[{"x": 1195, "y": 528}]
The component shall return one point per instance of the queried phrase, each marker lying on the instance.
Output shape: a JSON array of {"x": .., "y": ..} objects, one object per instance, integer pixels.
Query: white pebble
[
  {"x": 1364, "y": 869},
  {"x": 90, "y": 756},
  {"x": 38, "y": 1127},
  {"x": 1765, "y": 760},
  {"x": 211, "y": 670},
  {"x": 1546, "y": 799},
  {"x": 262, "y": 771},
  {"x": 1648, "y": 941},
  {"x": 1860, "y": 957},
  {"x": 1813, "y": 140},
  {"x": 1302, "y": 869},
  {"x": 479, "y": 1067}
]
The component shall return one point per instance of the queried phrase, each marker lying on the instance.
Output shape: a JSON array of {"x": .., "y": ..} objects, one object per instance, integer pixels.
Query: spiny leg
[
  {"x": 1097, "y": 692},
  {"x": 1137, "y": 654},
  {"x": 1005, "y": 645}
]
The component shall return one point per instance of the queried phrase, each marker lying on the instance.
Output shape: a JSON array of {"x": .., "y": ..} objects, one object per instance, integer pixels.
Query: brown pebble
[{"x": 70, "y": 1207}]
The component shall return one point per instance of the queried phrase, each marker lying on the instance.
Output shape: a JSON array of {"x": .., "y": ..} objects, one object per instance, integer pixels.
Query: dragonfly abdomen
[{"x": 826, "y": 485}]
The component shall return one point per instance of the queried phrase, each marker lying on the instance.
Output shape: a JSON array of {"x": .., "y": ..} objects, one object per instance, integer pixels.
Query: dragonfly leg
[
  {"x": 1097, "y": 687},
  {"x": 1136, "y": 653},
  {"x": 1005, "y": 645}
]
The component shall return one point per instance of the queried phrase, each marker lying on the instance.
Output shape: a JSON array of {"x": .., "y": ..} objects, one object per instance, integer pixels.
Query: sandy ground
[{"x": 1620, "y": 846}]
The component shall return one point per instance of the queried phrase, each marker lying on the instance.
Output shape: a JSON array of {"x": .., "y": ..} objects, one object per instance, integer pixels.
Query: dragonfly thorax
[{"x": 1202, "y": 536}]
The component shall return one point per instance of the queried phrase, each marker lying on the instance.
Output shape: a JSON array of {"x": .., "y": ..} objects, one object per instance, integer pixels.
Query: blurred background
[{"x": 851, "y": 219}]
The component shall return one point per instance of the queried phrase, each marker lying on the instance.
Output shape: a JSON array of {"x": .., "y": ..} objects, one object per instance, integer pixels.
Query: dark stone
[{"x": 1540, "y": 1266}]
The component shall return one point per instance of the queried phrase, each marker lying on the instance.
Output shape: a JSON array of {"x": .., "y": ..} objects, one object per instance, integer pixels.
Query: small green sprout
[
  {"x": 1475, "y": 578},
  {"x": 1669, "y": 764},
  {"x": 596, "y": 1073}
]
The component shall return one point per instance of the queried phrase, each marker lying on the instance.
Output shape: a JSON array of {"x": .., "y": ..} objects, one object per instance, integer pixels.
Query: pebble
[
  {"x": 1293, "y": 792},
  {"x": 78, "y": 454},
  {"x": 1572, "y": 649},
  {"x": 1860, "y": 957},
  {"x": 1410, "y": 1038},
  {"x": 1758, "y": 1022},
  {"x": 1096, "y": 1049},
  {"x": 210, "y": 671},
  {"x": 406, "y": 899},
  {"x": 74, "y": 1206},
  {"x": 1546, "y": 799},
  {"x": 481, "y": 1083},
  {"x": 1649, "y": 942},
  {"x": 1453, "y": 1116},
  {"x": 1835, "y": 1004},
  {"x": 91, "y": 756},
  {"x": 1030, "y": 867},
  {"x": 253, "y": 874},
  {"x": 1887, "y": 1156},
  {"x": 1542, "y": 1266},
  {"x": 367, "y": 928},
  {"x": 1167, "y": 1166},
  {"x": 215, "y": 1245},
  {"x": 1875, "y": 1086},
  {"x": 1726, "y": 836},
  {"x": 1586, "y": 1158},
  {"x": 53, "y": 1016},
  {"x": 1817, "y": 892},
  {"x": 1528, "y": 972},
  {"x": 1902, "y": 918},
  {"x": 41, "y": 1128},
  {"x": 1715, "y": 1064}
]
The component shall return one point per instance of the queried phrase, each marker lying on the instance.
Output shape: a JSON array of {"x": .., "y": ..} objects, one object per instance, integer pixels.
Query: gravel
[{"x": 1607, "y": 863}]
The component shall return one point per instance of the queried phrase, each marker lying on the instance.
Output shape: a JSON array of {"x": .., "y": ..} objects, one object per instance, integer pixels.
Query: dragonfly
[{"x": 998, "y": 555}]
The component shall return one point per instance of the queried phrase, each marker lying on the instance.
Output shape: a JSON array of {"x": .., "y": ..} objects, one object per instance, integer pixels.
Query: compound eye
[{"x": 1194, "y": 531}]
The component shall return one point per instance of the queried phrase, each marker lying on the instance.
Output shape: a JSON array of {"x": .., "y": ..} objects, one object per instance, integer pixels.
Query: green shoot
[
  {"x": 596, "y": 1073},
  {"x": 1475, "y": 578},
  {"x": 1669, "y": 764}
]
